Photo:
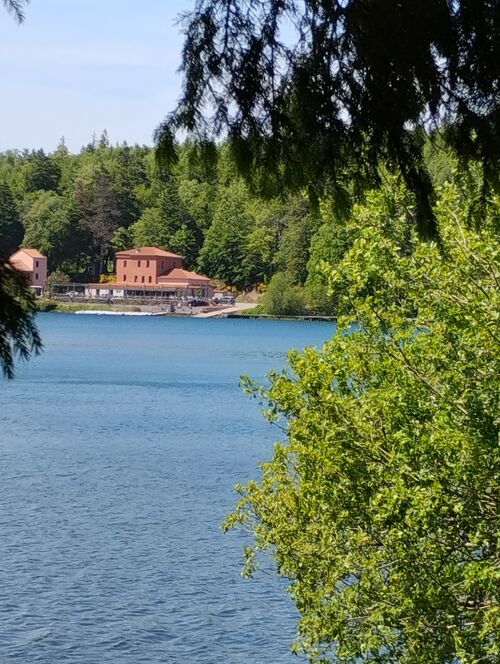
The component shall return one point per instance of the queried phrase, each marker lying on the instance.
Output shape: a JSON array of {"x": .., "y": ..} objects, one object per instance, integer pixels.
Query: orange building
[
  {"x": 33, "y": 265},
  {"x": 153, "y": 272},
  {"x": 145, "y": 265}
]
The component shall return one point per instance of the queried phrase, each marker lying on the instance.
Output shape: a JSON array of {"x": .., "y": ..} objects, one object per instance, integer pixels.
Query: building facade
[
  {"x": 145, "y": 265},
  {"x": 33, "y": 265},
  {"x": 154, "y": 273}
]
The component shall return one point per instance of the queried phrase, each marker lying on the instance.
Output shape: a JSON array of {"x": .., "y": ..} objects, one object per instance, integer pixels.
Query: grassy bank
[{"x": 46, "y": 304}]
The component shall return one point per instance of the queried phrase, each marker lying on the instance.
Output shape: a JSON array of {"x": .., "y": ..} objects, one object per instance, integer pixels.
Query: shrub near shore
[{"x": 46, "y": 304}]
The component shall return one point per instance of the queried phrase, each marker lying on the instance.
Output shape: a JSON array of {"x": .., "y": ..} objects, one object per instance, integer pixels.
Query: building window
[
  {"x": 138, "y": 263},
  {"x": 135, "y": 278},
  {"x": 124, "y": 277},
  {"x": 142, "y": 279},
  {"x": 36, "y": 263},
  {"x": 147, "y": 263},
  {"x": 149, "y": 279},
  {"x": 36, "y": 276},
  {"x": 124, "y": 263}
]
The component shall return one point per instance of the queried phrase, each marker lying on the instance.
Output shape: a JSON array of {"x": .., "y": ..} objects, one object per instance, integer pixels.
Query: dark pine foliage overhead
[
  {"x": 16, "y": 7},
  {"x": 19, "y": 336},
  {"x": 319, "y": 93}
]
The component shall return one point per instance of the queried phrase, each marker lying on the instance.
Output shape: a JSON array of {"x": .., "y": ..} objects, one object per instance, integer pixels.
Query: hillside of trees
[{"x": 79, "y": 209}]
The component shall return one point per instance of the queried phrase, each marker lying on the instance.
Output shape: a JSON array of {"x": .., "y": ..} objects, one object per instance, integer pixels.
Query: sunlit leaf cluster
[{"x": 381, "y": 503}]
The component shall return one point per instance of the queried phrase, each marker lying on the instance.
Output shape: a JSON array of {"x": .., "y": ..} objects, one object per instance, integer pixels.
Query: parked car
[{"x": 226, "y": 299}]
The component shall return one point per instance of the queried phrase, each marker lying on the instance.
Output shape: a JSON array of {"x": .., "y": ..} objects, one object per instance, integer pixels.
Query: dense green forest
[{"x": 79, "y": 209}]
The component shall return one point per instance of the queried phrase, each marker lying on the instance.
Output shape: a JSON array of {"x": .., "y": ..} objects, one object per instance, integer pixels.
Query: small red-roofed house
[{"x": 33, "y": 265}]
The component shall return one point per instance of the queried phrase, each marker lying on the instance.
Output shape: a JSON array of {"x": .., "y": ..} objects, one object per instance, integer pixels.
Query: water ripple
[{"x": 117, "y": 469}]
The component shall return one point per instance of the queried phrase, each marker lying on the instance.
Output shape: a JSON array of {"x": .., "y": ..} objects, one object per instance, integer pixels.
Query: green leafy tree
[
  {"x": 319, "y": 94},
  {"x": 223, "y": 253},
  {"x": 381, "y": 507},
  {"x": 282, "y": 298},
  {"x": 150, "y": 229},
  {"x": 258, "y": 254},
  {"x": 11, "y": 228},
  {"x": 297, "y": 227},
  {"x": 127, "y": 169},
  {"x": 11, "y": 172},
  {"x": 185, "y": 241},
  {"x": 169, "y": 225},
  {"x": 184, "y": 235},
  {"x": 102, "y": 208},
  {"x": 329, "y": 245},
  {"x": 196, "y": 180},
  {"x": 52, "y": 227},
  {"x": 41, "y": 172},
  {"x": 153, "y": 229},
  {"x": 336, "y": 236},
  {"x": 263, "y": 240},
  {"x": 123, "y": 238},
  {"x": 57, "y": 277},
  {"x": 67, "y": 165},
  {"x": 198, "y": 201}
]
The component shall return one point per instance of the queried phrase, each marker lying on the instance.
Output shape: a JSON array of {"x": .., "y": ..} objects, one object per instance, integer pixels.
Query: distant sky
[{"x": 76, "y": 67}]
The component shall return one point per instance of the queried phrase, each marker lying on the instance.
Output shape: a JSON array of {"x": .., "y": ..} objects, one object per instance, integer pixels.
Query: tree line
[{"x": 80, "y": 209}]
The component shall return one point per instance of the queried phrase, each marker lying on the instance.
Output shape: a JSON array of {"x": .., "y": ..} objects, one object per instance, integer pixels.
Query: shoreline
[
  {"x": 305, "y": 317},
  {"x": 243, "y": 310}
]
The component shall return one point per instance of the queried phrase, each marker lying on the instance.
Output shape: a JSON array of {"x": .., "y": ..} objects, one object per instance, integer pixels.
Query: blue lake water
[{"x": 119, "y": 448}]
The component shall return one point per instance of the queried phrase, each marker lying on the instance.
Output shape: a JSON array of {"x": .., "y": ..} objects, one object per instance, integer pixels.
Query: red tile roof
[
  {"x": 21, "y": 264},
  {"x": 34, "y": 253},
  {"x": 178, "y": 273},
  {"x": 23, "y": 258},
  {"x": 146, "y": 251}
]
